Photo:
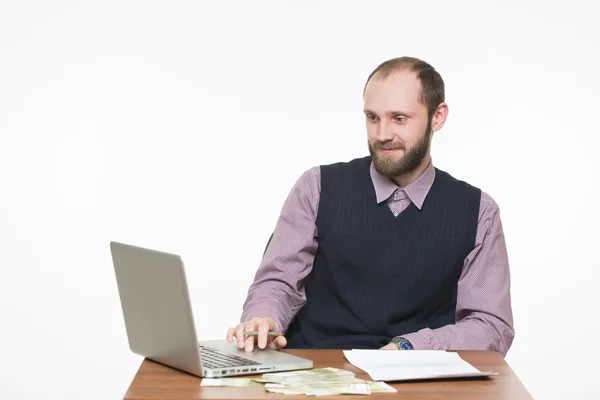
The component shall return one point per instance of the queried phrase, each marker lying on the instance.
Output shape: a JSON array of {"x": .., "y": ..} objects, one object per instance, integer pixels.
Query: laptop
[{"x": 160, "y": 325}]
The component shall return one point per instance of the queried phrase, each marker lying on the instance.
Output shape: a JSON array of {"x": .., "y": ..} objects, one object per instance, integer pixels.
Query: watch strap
[{"x": 402, "y": 343}]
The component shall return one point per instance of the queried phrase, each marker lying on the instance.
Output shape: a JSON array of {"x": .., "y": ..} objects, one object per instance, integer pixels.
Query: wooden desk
[{"x": 155, "y": 381}]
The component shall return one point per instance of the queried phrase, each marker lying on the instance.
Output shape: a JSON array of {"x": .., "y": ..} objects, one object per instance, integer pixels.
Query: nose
[{"x": 384, "y": 131}]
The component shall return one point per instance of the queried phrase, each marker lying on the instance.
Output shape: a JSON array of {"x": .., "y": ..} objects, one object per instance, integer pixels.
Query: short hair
[{"x": 432, "y": 84}]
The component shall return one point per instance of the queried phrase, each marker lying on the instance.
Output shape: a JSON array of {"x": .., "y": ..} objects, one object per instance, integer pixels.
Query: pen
[{"x": 255, "y": 333}]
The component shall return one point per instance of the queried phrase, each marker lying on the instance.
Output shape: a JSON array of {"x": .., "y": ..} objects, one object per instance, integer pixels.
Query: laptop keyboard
[{"x": 212, "y": 358}]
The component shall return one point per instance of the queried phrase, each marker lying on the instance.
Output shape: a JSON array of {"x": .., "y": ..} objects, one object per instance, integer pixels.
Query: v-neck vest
[{"x": 376, "y": 275}]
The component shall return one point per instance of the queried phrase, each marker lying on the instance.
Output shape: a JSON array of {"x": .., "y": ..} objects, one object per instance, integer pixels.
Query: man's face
[{"x": 398, "y": 128}]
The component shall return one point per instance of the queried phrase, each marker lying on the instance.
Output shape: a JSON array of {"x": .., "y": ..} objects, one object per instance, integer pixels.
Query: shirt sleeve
[
  {"x": 484, "y": 318},
  {"x": 278, "y": 289}
]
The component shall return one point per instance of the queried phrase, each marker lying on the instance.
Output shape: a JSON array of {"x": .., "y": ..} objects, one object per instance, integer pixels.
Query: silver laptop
[{"x": 160, "y": 325}]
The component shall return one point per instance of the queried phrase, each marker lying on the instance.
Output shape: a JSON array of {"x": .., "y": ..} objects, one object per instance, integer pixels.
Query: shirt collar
[{"x": 385, "y": 187}]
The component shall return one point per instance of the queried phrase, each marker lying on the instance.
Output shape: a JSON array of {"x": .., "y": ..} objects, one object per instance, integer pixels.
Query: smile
[{"x": 389, "y": 151}]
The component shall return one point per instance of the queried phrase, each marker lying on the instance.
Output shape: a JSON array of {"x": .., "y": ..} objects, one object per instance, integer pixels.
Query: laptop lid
[
  {"x": 159, "y": 321},
  {"x": 156, "y": 306}
]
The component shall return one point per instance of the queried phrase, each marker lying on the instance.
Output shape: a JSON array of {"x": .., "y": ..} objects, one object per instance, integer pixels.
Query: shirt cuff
[{"x": 248, "y": 315}]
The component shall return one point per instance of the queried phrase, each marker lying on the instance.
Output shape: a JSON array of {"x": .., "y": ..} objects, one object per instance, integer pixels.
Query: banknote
[
  {"x": 310, "y": 390},
  {"x": 320, "y": 382},
  {"x": 315, "y": 382},
  {"x": 381, "y": 387},
  {"x": 323, "y": 390},
  {"x": 309, "y": 376},
  {"x": 312, "y": 373},
  {"x": 230, "y": 382}
]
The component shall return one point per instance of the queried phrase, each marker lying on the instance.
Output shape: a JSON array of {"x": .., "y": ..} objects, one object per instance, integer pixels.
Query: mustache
[{"x": 388, "y": 146}]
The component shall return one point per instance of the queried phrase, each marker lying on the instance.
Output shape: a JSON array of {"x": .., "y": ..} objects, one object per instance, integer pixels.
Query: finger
[
  {"x": 239, "y": 336},
  {"x": 249, "y": 343},
  {"x": 263, "y": 330},
  {"x": 278, "y": 343},
  {"x": 230, "y": 333}
]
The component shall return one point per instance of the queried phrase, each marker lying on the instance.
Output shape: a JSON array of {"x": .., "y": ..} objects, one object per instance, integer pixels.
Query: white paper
[{"x": 397, "y": 365}]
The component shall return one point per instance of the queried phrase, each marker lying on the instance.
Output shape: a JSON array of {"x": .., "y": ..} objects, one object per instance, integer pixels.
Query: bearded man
[{"x": 385, "y": 251}]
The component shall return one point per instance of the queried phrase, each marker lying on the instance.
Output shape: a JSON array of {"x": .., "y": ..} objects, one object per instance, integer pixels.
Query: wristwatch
[{"x": 402, "y": 343}]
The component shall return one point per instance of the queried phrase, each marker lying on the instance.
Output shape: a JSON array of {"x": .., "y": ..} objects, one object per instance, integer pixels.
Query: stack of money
[
  {"x": 230, "y": 382},
  {"x": 314, "y": 382}
]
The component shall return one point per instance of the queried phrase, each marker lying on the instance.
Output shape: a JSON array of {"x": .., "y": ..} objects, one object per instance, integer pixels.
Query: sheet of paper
[{"x": 397, "y": 365}]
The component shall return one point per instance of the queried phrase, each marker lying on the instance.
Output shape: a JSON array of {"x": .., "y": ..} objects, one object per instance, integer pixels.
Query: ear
[{"x": 439, "y": 117}]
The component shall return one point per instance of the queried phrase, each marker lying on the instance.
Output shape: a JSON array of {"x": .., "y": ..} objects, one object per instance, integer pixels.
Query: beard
[{"x": 390, "y": 166}]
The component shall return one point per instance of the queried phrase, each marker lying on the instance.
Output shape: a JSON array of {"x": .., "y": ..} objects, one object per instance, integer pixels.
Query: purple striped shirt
[{"x": 483, "y": 309}]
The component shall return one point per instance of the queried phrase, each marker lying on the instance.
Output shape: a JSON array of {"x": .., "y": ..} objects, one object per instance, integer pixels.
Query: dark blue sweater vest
[{"x": 376, "y": 276}]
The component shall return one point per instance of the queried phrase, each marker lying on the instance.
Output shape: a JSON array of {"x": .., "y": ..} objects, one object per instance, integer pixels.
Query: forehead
[{"x": 400, "y": 90}]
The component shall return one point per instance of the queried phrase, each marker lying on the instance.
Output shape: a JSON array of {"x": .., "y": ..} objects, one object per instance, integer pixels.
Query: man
[{"x": 385, "y": 251}]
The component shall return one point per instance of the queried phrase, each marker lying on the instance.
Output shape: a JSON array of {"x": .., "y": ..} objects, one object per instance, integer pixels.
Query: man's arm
[
  {"x": 278, "y": 290},
  {"x": 484, "y": 318}
]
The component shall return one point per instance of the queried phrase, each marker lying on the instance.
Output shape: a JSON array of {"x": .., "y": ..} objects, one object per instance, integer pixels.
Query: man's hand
[
  {"x": 263, "y": 326},
  {"x": 389, "y": 346}
]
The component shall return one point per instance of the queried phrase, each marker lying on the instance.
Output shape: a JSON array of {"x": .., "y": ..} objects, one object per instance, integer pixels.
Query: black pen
[{"x": 270, "y": 333}]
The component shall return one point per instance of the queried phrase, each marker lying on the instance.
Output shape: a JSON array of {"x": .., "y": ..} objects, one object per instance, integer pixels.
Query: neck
[{"x": 408, "y": 178}]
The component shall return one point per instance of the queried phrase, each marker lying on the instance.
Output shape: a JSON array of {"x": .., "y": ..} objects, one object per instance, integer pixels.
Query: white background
[{"x": 182, "y": 126}]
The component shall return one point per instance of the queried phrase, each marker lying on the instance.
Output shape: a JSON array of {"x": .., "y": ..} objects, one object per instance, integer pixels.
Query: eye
[
  {"x": 371, "y": 117},
  {"x": 400, "y": 119}
]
